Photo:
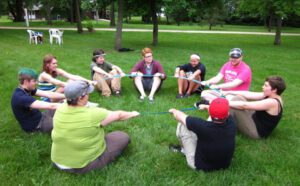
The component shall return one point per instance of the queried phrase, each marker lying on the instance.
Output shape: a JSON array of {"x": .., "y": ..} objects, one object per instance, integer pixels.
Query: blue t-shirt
[{"x": 27, "y": 117}]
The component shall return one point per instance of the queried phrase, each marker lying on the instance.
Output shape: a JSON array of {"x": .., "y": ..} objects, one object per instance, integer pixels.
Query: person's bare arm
[
  {"x": 266, "y": 104},
  {"x": 44, "y": 105},
  {"x": 179, "y": 116},
  {"x": 246, "y": 94},
  {"x": 227, "y": 85},
  {"x": 46, "y": 77},
  {"x": 118, "y": 116},
  {"x": 48, "y": 94},
  {"x": 213, "y": 80},
  {"x": 72, "y": 76}
]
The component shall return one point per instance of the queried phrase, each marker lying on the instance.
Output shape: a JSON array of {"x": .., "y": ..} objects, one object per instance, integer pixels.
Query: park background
[{"x": 25, "y": 158}]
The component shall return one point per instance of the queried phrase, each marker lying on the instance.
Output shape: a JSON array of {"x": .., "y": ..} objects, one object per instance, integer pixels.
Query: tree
[
  {"x": 118, "y": 38},
  {"x": 213, "y": 12},
  {"x": 177, "y": 10},
  {"x": 16, "y": 10},
  {"x": 279, "y": 9},
  {"x": 112, "y": 14},
  {"x": 153, "y": 9},
  {"x": 77, "y": 15}
]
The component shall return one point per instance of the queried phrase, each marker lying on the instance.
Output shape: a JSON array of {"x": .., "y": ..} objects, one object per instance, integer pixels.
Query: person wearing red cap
[
  {"x": 259, "y": 117},
  {"x": 207, "y": 145}
]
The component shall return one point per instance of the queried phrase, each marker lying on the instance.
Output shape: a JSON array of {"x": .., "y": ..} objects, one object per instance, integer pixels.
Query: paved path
[{"x": 166, "y": 31}]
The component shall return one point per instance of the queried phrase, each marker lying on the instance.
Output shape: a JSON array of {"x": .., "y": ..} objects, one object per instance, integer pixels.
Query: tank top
[
  {"x": 265, "y": 123},
  {"x": 46, "y": 86}
]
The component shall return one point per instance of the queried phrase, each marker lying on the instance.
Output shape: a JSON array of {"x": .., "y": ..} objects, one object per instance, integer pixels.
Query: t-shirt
[
  {"x": 107, "y": 67},
  {"x": 215, "y": 144},
  {"x": 242, "y": 71},
  {"x": 27, "y": 117},
  {"x": 189, "y": 68},
  {"x": 77, "y": 136}
]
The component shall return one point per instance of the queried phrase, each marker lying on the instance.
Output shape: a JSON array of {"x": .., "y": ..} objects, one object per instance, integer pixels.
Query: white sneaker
[
  {"x": 91, "y": 104},
  {"x": 151, "y": 99},
  {"x": 142, "y": 98}
]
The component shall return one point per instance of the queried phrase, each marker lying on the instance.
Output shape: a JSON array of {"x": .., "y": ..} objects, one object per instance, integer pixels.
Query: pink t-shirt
[{"x": 242, "y": 71}]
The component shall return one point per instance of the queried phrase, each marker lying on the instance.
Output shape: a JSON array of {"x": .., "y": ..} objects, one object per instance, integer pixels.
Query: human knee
[
  {"x": 181, "y": 73},
  {"x": 238, "y": 98},
  {"x": 113, "y": 72}
]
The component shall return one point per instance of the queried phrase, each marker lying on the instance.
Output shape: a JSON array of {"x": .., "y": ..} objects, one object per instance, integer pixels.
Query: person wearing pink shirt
[{"x": 236, "y": 75}]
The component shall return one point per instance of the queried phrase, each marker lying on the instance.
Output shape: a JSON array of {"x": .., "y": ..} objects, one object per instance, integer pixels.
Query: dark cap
[{"x": 235, "y": 53}]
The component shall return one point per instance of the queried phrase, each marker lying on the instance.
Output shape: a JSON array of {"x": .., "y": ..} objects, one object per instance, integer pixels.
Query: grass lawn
[{"x": 25, "y": 158}]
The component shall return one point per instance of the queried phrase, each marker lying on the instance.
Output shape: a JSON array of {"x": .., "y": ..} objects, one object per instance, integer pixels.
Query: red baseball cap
[{"x": 219, "y": 109}]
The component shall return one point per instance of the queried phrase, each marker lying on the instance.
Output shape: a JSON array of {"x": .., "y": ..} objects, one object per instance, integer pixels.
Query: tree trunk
[
  {"x": 154, "y": 22},
  {"x": 270, "y": 22},
  {"x": 168, "y": 22},
  {"x": 112, "y": 14},
  {"x": 11, "y": 9},
  {"x": 72, "y": 11},
  {"x": 19, "y": 11},
  {"x": 118, "y": 39},
  {"x": 277, "y": 40},
  {"x": 77, "y": 15},
  {"x": 48, "y": 12},
  {"x": 210, "y": 25}
]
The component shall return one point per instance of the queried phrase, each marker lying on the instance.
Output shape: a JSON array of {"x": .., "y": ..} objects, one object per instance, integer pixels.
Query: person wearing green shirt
[
  {"x": 105, "y": 74},
  {"x": 79, "y": 143}
]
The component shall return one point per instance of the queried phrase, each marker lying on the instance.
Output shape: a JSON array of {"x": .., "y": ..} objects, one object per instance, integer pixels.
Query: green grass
[
  {"x": 25, "y": 158},
  {"x": 136, "y": 23}
]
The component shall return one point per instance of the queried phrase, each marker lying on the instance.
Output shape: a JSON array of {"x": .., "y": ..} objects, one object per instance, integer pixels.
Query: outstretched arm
[
  {"x": 266, "y": 104},
  {"x": 46, "y": 77},
  {"x": 48, "y": 94},
  {"x": 228, "y": 85},
  {"x": 44, "y": 105},
  {"x": 246, "y": 94},
  {"x": 71, "y": 76},
  {"x": 179, "y": 116},
  {"x": 118, "y": 116},
  {"x": 214, "y": 80}
]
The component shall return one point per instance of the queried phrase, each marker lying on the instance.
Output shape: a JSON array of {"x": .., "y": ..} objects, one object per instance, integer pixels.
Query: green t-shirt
[
  {"x": 107, "y": 67},
  {"x": 77, "y": 136}
]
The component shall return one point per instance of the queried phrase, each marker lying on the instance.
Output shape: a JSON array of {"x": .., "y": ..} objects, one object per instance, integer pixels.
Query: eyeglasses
[{"x": 147, "y": 56}]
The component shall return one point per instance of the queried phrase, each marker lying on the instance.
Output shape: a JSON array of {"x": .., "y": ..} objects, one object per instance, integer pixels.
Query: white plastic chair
[
  {"x": 32, "y": 37},
  {"x": 56, "y": 34}
]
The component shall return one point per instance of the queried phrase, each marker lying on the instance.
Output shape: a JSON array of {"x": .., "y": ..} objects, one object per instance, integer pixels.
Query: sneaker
[
  {"x": 179, "y": 96},
  {"x": 151, "y": 99},
  {"x": 187, "y": 95},
  {"x": 117, "y": 93},
  {"x": 91, "y": 104},
  {"x": 176, "y": 149},
  {"x": 202, "y": 102},
  {"x": 142, "y": 98}
]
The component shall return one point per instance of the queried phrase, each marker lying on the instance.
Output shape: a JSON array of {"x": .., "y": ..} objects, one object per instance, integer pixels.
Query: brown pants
[
  {"x": 116, "y": 142},
  {"x": 244, "y": 121},
  {"x": 106, "y": 85}
]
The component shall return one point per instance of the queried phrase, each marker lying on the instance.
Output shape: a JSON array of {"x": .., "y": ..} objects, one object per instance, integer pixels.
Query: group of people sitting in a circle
[{"x": 79, "y": 143}]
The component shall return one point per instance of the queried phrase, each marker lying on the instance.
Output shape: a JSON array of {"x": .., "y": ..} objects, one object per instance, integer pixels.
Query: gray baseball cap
[
  {"x": 75, "y": 89},
  {"x": 235, "y": 53}
]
